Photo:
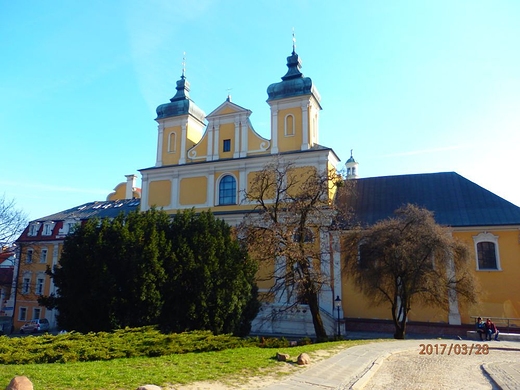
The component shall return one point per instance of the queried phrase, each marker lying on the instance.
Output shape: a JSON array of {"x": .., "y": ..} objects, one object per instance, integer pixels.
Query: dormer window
[
  {"x": 48, "y": 228},
  {"x": 33, "y": 228}
]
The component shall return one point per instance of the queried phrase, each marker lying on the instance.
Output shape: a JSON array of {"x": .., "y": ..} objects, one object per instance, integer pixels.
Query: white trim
[{"x": 487, "y": 237}]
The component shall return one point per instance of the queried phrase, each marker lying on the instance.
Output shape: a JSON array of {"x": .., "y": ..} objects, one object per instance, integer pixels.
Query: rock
[
  {"x": 282, "y": 357},
  {"x": 149, "y": 387},
  {"x": 20, "y": 383},
  {"x": 303, "y": 359}
]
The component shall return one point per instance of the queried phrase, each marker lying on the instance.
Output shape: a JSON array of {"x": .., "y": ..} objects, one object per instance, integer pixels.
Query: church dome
[{"x": 180, "y": 104}]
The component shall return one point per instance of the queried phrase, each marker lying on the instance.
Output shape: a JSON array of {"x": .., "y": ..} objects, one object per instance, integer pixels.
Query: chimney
[{"x": 130, "y": 185}]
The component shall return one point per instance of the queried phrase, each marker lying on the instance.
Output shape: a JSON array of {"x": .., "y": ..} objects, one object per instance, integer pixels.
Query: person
[
  {"x": 491, "y": 330},
  {"x": 481, "y": 328}
]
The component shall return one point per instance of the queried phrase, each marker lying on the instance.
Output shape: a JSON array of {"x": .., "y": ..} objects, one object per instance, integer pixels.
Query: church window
[
  {"x": 226, "y": 146},
  {"x": 486, "y": 249},
  {"x": 289, "y": 125},
  {"x": 172, "y": 143},
  {"x": 227, "y": 193}
]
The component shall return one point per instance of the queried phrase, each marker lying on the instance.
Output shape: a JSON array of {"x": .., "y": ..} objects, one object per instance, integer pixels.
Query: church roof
[
  {"x": 180, "y": 104},
  {"x": 293, "y": 83},
  {"x": 454, "y": 200}
]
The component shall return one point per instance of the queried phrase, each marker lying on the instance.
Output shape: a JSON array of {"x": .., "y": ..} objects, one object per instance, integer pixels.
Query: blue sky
[{"x": 411, "y": 86}]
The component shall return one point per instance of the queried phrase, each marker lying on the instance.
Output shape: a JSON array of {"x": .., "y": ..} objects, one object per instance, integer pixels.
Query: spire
[
  {"x": 181, "y": 103},
  {"x": 293, "y": 63},
  {"x": 293, "y": 43}
]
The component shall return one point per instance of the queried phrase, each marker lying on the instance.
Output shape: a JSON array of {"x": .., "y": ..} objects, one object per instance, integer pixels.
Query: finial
[
  {"x": 183, "y": 65},
  {"x": 228, "y": 94},
  {"x": 351, "y": 150},
  {"x": 293, "y": 42}
]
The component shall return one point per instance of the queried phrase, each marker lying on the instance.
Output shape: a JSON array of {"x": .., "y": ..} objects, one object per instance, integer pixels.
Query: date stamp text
[{"x": 453, "y": 349}]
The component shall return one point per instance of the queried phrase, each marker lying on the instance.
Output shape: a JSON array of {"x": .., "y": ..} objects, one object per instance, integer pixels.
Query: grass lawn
[{"x": 228, "y": 366}]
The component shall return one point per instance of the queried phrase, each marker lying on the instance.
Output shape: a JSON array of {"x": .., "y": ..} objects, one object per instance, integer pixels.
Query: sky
[{"x": 411, "y": 86}]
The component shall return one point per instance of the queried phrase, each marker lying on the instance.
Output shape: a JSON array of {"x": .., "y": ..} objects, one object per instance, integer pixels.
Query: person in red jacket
[{"x": 491, "y": 330}]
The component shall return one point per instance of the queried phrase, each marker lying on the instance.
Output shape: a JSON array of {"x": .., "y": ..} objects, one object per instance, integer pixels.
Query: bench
[{"x": 472, "y": 335}]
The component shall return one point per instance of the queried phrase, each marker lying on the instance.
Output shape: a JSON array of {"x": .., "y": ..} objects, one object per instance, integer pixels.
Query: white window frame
[
  {"x": 289, "y": 132},
  {"x": 172, "y": 142},
  {"x": 43, "y": 255},
  {"x": 29, "y": 255},
  {"x": 26, "y": 284},
  {"x": 33, "y": 229},
  {"x": 40, "y": 284},
  {"x": 48, "y": 227},
  {"x": 487, "y": 237},
  {"x": 24, "y": 316}
]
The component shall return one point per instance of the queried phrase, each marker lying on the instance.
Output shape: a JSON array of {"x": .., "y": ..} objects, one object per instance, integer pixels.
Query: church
[{"x": 207, "y": 161}]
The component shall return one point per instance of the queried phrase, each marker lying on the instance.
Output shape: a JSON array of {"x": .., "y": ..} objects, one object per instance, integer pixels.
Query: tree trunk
[{"x": 319, "y": 329}]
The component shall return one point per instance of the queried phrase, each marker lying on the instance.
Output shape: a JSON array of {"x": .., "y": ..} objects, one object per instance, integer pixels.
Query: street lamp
[{"x": 338, "y": 305}]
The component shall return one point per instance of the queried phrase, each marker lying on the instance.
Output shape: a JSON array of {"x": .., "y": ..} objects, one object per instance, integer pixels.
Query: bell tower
[
  {"x": 181, "y": 123},
  {"x": 295, "y": 107}
]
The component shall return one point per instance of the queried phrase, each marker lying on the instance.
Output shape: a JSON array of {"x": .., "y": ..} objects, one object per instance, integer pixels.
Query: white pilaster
[
  {"x": 453, "y": 302},
  {"x": 174, "y": 200},
  {"x": 160, "y": 132},
  {"x": 274, "y": 129},
  {"x": 243, "y": 137},
  {"x": 305, "y": 126},
  {"x": 184, "y": 136},
  {"x": 236, "y": 152},
  {"x": 211, "y": 191}
]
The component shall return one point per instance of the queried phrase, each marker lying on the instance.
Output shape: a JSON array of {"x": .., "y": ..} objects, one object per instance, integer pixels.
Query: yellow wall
[
  {"x": 290, "y": 143},
  {"x": 193, "y": 191},
  {"x": 227, "y": 131},
  {"x": 159, "y": 193},
  {"x": 501, "y": 289},
  {"x": 171, "y": 157}
]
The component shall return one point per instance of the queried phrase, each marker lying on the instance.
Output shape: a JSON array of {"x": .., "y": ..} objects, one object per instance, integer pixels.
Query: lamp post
[{"x": 338, "y": 305}]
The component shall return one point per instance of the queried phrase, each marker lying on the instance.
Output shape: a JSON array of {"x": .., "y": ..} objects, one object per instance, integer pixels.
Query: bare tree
[
  {"x": 293, "y": 205},
  {"x": 12, "y": 221},
  {"x": 409, "y": 259}
]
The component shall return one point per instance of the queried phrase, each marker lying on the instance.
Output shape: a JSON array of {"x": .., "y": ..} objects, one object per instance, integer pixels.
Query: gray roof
[
  {"x": 454, "y": 200},
  {"x": 96, "y": 209}
]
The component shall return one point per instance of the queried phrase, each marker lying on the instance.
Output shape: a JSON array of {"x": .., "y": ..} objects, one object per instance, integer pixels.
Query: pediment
[{"x": 228, "y": 108}]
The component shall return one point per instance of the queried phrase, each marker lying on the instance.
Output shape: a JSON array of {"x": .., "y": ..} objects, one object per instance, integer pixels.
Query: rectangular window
[
  {"x": 39, "y": 286},
  {"x": 486, "y": 255},
  {"x": 43, "y": 256},
  {"x": 33, "y": 229},
  {"x": 22, "y": 314},
  {"x": 227, "y": 145},
  {"x": 28, "y": 258},
  {"x": 25, "y": 285},
  {"x": 47, "y": 229},
  {"x": 36, "y": 314}
]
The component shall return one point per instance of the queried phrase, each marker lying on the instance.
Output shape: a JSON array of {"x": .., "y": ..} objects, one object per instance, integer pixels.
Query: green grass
[{"x": 228, "y": 366}]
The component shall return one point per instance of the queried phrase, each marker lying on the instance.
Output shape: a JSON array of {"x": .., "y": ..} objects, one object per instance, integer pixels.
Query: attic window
[
  {"x": 226, "y": 147},
  {"x": 33, "y": 229}
]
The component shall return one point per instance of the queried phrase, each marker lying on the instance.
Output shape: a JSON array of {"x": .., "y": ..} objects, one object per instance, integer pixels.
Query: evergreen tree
[{"x": 182, "y": 273}]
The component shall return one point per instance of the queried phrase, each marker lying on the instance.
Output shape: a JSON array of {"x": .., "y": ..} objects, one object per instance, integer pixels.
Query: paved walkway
[{"x": 354, "y": 367}]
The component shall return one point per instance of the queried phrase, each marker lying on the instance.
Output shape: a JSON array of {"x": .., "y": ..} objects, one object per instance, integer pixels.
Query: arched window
[
  {"x": 227, "y": 191},
  {"x": 289, "y": 125},
  {"x": 486, "y": 248},
  {"x": 172, "y": 142}
]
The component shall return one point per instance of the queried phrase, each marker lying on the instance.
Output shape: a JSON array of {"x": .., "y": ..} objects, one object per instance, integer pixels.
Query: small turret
[{"x": 351, "y": 166}]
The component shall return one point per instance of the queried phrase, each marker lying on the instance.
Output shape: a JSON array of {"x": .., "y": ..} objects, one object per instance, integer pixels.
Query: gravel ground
[{"x": 410, "y": 370}]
